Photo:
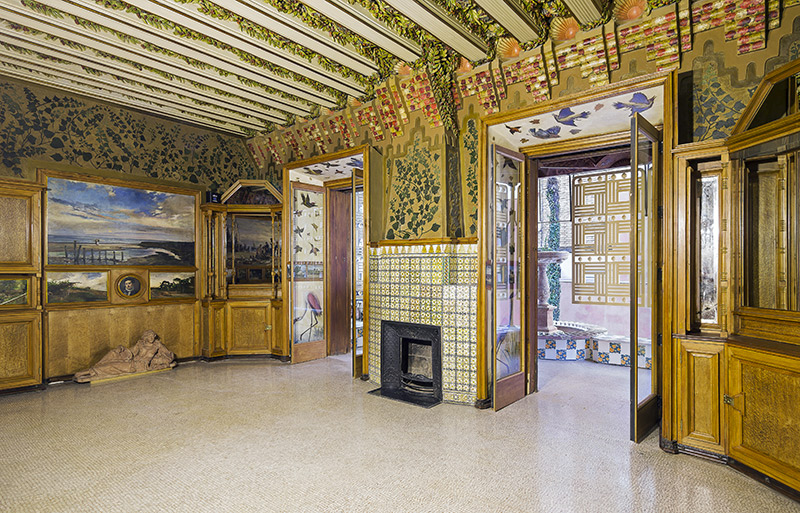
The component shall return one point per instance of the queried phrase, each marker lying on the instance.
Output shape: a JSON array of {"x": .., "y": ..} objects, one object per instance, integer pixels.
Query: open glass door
[
  {"x": 506, "y": 223},
  {"x": 306, "y": 233},
  {"x": 644, "y": 298},
  {"x": 357, "y": 278}
]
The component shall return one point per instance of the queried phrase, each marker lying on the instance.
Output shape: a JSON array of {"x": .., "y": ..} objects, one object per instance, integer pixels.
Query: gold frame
[
  {"x": 143, "y": 286},
  {"x": 288, "y": 256},
  {"x": 666, "y": 79}
]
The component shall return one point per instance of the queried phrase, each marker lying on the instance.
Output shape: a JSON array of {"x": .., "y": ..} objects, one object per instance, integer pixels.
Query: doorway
[
  {"x": 326, "y": 257},
  {"x": 608, "y": 250}
]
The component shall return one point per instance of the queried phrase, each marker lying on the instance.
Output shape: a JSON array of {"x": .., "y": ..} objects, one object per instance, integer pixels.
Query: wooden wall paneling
[
  {"x": 219, "y": 323},
  {"x": 763, "y": 412},
  {"x": 20, "y": 349},
  {"x": 339, "y": 282},
  {"x": 20, "y": 238},
  {"x": 249, "y": 325},
  {"x": 700, "y": 370},
  {"x": 78, "y": 338}
]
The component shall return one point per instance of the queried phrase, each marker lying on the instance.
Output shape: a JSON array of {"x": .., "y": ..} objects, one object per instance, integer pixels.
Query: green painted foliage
[{"x": 42, "y": 126}]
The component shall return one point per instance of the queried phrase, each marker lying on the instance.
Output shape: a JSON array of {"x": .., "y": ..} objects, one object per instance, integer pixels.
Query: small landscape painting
[
  {"x": 13, "y": 292},
  {"x": 171, "y": 285},
  {"x": 77, "y": 287},
  {"x": 98, "y": 224}
]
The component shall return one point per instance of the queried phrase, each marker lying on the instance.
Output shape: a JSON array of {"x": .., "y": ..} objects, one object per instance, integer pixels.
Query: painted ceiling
[
  {"x": 607, "y": 115},
  {"x": 247, "y": 66},
  {"x": 337, "y": 169}
]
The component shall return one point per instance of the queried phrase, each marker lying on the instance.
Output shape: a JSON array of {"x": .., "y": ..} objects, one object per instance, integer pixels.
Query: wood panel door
[
  {"x": 339, "y": 284},
  {"x": 700, "y": 374},
  {"x": 763, "y": 412}
]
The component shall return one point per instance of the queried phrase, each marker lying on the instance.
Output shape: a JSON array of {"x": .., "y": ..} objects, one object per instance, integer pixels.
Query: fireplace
[{"x": 411, "y": 362}]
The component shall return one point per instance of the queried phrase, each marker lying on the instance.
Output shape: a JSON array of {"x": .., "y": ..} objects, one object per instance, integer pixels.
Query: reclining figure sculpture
[{"x": 148, "y": 354}]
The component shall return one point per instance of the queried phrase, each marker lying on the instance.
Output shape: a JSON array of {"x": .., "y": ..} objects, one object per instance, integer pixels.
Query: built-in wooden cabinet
[
  {"x": 763, "y": 411},
  {"x": 20, "y": 347},
  {"x": 242, "y": 307},
  {"x": 20, "y": 277},
  {"x": 700, "y": 398}
]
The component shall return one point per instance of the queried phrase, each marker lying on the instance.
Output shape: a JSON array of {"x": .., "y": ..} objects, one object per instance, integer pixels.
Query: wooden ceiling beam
[
  {"x": 115, "y": 68},
  {"x": 163, "y": 63},
  {"x": 513, "y": 17}
]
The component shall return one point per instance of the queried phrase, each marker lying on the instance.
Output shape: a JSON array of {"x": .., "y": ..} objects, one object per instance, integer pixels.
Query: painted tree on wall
[
  {"x": 469, "y": 156},
  {"x": 39, "y": 125},
  {"x": 416, "y": 192}
]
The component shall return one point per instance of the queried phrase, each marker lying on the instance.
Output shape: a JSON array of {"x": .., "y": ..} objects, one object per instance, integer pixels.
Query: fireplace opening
[
  {"x": 411, "y": 363},
  {"x": 417, "y": 365}
]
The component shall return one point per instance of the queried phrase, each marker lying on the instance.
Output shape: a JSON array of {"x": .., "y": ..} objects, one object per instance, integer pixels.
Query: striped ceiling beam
[
  {"x": 359, "y": 20},
  {"x": 40, "y": 76},
  {"x": 295, "y": 30},
  {"x": 442, "y": 26},
  {"x": 109, "y": 44},
  {"x": 77, "y": 63},
  {"x": 513, "y": 17}
]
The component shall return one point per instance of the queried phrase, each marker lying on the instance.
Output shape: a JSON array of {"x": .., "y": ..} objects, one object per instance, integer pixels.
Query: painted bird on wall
[
  {"x": 637, "y": 104},
  {"x": 567, "y": 117},
  {"x": 549, "y": 133},
  {"x": 305, "y": 200}
]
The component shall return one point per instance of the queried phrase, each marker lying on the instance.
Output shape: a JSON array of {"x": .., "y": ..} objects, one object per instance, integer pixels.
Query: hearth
[{"x": 411, "y": 362}]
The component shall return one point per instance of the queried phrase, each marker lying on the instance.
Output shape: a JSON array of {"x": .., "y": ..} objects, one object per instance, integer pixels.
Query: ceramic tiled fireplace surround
[{"x": 431, "y": 284}]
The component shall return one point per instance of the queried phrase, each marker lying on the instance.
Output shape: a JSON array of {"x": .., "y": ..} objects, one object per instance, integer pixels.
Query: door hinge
[
  {"x": 659, "y": 274},
  {"x": 659, "y": 339},
  {"x": 661, "y": 212}
]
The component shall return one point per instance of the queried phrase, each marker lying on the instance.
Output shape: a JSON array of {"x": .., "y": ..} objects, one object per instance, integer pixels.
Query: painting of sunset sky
[{"x": 98, "y": 224}]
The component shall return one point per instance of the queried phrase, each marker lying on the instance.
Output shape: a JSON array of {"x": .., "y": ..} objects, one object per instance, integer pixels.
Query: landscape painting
[
  {"x": 98, "y": 224},
  {"x": 77, "y": 287},
  {"x": 14, "y": 292},
  {"x": 171, "y": 285}
]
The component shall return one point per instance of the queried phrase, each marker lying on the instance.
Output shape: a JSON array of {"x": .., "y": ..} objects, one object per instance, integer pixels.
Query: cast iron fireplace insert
[{"x": 411, "y": 363}]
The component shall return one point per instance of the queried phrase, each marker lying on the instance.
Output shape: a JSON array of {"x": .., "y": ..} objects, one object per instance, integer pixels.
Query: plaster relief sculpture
[{"x": 148, "y": 354}]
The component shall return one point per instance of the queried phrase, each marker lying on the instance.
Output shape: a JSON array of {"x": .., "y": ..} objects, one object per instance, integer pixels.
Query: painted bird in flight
[
  {"x": 306, "y": 200},
  {"x": 550, "y": 133},
  {"x": 638, "y": 103},
  {"x": 567, "y": 117}
]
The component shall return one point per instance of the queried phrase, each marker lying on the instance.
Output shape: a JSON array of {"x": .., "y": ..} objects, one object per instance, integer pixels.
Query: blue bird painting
[
  {"x": 549, "y": 133},
  {"x": 567, "y": 117},
  {"x": 638, "y": 103}
]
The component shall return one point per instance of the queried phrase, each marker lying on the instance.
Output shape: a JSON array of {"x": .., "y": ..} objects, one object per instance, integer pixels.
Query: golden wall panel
[
  {"x": 700, "y": 375},
  {"x": 13, "y": 242},
  {"x": 78, "y": 338},
  {"x": 218, "y": 344},
  {"x": 20, "y": 363}
]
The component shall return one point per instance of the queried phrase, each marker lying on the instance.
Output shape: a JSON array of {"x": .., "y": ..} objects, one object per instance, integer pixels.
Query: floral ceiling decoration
[{"x": 255, "y": 67}]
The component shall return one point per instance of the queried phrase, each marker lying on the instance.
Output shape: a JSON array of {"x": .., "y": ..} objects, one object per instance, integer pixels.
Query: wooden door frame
[
  {"x": 665, "y": 79},
  {"x": 365, "y": 152}
]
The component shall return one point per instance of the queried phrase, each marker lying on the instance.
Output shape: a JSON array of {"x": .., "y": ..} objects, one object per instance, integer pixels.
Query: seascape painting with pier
[{"x": 98, "y": 224}]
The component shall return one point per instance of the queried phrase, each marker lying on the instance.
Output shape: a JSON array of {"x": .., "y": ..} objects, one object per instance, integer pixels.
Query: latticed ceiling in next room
[{"x": 245, "y": 66}]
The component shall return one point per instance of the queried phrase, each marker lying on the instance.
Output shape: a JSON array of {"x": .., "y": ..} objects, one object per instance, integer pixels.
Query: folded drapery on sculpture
[{"x": 147, "y": 355}]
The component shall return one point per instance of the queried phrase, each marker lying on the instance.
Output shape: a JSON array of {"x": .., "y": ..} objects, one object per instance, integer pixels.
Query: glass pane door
[
  {"x": 644, "y": 295},
  {"x": 307, "y": 250},
  {"x": 509, "y": 343},
  {"x": 358, "y": 278}
]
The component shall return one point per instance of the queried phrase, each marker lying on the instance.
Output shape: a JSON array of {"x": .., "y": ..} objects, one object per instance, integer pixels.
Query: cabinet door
[
  {"x": 700, "y": 372},
  {"x": 249, "y": 327},
  {"x": 280, "y": 346},
  {"x": 763, "y": 412},
  {"x": 20, "y": 350}
]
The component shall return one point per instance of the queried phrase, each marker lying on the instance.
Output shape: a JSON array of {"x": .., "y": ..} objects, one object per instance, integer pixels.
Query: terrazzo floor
[{"x": 252, "y": 436}]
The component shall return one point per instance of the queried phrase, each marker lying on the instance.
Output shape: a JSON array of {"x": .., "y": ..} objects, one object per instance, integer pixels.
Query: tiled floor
[{"x": 264, "y": 436}]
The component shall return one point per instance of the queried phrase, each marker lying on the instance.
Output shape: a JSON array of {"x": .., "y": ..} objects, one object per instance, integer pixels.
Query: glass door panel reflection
[
  {"x": 508, "y": 215},
  {"x": 308, "y": 217},
  {"x": 358, "y": 271},
  {"x": 643, "y": 326}
]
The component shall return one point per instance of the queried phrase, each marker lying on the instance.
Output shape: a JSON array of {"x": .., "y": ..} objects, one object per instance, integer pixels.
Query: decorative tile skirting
[{"x": 432, "y": 284}]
